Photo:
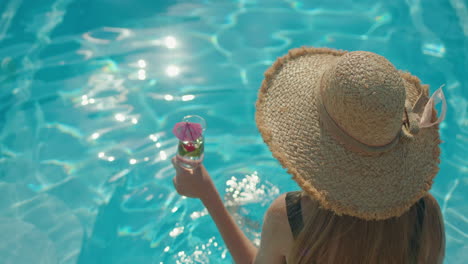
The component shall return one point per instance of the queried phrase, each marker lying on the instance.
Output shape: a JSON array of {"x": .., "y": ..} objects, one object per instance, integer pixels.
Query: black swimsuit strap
[{"x": 294, "y": 211}]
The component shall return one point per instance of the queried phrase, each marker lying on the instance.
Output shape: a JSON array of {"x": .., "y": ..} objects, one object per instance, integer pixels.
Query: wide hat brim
[{"x": 371, "y": 187}]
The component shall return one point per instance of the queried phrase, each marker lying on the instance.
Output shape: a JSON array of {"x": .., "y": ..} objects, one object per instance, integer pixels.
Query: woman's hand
[{"x": 194, "y": 183}]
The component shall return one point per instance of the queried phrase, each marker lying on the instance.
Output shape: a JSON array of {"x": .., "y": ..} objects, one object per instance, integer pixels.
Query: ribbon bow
[{"x": 420, "y": 114}]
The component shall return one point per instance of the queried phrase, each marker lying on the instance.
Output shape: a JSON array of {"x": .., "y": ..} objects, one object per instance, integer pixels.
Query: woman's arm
[
  {"x": 197, "y": 183},
  {"x": 241, "y": 248}
]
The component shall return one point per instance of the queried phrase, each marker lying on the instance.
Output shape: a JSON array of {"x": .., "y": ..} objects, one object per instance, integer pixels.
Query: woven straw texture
[{"x": 371, "y": 187}]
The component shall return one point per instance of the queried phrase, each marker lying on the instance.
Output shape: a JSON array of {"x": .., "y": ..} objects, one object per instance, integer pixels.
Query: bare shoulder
[
  {"x": 276, "y": 224},
  {"x": 277, "y": 208},
  {"x": 276, "y": 238}
]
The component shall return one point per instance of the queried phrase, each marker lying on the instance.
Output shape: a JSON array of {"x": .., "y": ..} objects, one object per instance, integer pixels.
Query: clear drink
[{"x": 190, "y": 133}]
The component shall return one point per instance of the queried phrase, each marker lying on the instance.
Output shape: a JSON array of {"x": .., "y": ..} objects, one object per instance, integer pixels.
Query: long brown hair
[{"x": 417, "y": 236}]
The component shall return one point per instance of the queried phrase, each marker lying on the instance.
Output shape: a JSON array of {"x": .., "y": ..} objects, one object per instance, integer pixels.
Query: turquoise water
[{"x": 89, "y": 92}]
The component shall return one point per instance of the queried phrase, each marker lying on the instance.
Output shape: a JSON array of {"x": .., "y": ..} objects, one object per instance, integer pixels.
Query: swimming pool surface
[{"x": 90, "y": 89}]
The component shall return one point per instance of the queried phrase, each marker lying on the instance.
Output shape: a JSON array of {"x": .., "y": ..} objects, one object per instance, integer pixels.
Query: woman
[{"x": 361, "y": 140}]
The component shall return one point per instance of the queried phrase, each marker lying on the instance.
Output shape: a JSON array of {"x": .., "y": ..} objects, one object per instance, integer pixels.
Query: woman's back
[{"x": 328, "y": 238}]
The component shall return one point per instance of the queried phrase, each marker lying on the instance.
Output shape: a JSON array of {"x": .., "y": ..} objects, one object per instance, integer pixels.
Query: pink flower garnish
[{"x": 186, "y": 131}]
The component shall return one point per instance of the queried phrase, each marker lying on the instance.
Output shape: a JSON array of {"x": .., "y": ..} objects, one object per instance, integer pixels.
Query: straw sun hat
[{"x": 355, "y": 133}]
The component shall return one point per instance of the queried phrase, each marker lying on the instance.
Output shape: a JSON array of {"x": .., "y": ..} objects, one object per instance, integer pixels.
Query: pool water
[{"x": 90, "y": 90}]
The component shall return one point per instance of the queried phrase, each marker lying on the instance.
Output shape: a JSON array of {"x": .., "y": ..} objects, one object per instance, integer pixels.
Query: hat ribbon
[
  {"x": 420, "y": 114},
  {"x": 416, "y": 117}
]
